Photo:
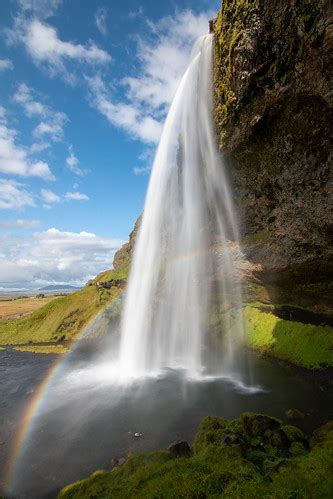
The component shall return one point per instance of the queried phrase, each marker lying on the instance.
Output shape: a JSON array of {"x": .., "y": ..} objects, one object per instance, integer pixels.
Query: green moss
[
  {"x": 305, "y": 345},
  {"x": 229, "y": 27},
  {"x": 114, "y": 275},
  {"x": 44, "y": 349},
  {"x": 61, "y": 319},
  {"x": 215, "y": 470},
  {"x": 259, "y": 237},
  {"x": 293, "y": 434}
]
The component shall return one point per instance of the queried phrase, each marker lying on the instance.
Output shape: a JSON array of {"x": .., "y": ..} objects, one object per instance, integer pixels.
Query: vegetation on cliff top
[{"x": 253, "y": 456}]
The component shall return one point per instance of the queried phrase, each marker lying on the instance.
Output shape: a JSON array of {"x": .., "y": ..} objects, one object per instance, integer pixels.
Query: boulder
[{"x": 179, "y": 449}]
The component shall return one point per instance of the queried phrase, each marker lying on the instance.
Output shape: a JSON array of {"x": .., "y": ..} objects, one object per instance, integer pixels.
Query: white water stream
[{"x": 184, "y": 262}]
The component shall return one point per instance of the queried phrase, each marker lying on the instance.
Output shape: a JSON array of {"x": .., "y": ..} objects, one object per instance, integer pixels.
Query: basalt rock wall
[{"x": 273, "y": 110}]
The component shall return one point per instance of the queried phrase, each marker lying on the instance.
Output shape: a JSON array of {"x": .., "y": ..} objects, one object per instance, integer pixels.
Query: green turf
[{"x": 305, "y": 345}]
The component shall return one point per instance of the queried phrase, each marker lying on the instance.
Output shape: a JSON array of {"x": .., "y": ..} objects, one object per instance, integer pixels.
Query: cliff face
[
  {"x": 123, "y": 256},
  {"x": 274, "y": 93}
]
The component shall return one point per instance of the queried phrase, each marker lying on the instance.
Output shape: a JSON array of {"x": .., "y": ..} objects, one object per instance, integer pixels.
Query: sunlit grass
[
  {"x": 306, "y": 345},
  {"x": 43, "y": 349},
  {"x": 61, "y": 319}
]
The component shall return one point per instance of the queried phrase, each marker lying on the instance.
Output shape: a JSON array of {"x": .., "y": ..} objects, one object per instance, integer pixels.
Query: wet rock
[
  {"x": 179, "y": 449},
  {"x": 295, "y": 435},
  {"x": 273, "y": 94},
  {"x": 273, "y": 467},
  {"x": 258, "y": 424},
  {"x": 231, "y": 439},
  {"x": 294, "y": 414},
  {"x": 277, "y": 439},
  {"x": 297, "y": 449}
]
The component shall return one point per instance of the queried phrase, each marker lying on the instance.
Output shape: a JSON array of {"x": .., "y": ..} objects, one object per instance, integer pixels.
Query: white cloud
[
  {"x": 73, "y": 163},
  {"x": 37, "y": 147},
  {"x": 6, "y": 64},
  {"x": 41, "y": 8},
  {"x": 100, "y": 19},
  {"x": 162, "y": 57},
  {"x": 76, "y": 196},
  {"x": 14, "y": 159},
  {"x": 52, "y": 124},
  {"x": 50, "y": 52},
  {"x": 31, "y": 107},
  {"x": 56, "y": 256},
  {"x": 50, "y": 196},
  {"x": 123, "y": 115},
  {"x": 19, "y": 223},
  {"x": 13, "y": 196},
  {"x": 52, "y": 127}
]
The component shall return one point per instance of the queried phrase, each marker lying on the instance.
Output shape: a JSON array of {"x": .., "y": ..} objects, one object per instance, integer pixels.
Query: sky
[{"x": 84, "y": 90}]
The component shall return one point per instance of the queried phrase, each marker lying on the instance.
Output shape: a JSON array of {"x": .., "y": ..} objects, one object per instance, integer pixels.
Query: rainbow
[{"x": 27, "y": 421}]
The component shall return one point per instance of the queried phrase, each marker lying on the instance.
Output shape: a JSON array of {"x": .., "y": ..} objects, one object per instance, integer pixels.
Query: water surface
[{"x": 85, "y": 420}]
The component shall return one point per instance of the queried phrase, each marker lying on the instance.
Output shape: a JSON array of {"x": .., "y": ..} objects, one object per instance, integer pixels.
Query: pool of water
[{"x": 83, "y": 419}]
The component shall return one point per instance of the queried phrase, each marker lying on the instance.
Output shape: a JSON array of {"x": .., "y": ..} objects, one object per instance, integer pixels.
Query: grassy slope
[
  {"x": 253, "y": 464},
  {"x": 302, "y": 344},
  {"x": 61, "y": 319}
]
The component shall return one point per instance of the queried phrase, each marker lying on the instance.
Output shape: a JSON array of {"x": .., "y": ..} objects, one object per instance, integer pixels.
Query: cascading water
[{"x": 184, "y": 264}]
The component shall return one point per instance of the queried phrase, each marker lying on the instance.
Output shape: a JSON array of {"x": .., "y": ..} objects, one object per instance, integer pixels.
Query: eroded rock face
[
  {"x": 274, "y": 92},
  {"x": 123, "y": 256}
]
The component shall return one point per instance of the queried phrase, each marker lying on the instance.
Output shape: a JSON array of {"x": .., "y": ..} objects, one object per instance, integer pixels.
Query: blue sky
[{"x": 84, "y": 90}]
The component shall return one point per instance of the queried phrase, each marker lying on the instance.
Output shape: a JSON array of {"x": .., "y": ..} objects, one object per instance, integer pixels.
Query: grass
[
  {"x": 113, "y": 275},
  {"x": 12, "y": 309},
  {"x": 61, "y": 319},
  {"x": 43, "y": 349},
  {"x": 305, "y": 345},
  {"x": 253, "y": 456}
]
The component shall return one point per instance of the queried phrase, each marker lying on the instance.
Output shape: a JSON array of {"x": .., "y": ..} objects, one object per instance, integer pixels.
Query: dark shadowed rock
[
  {"x": 273, "y": 94},
  {"x": 179, "y": 449}
]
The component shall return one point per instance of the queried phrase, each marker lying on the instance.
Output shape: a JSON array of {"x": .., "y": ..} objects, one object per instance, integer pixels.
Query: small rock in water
[
  {"x": 138, "y": 435},
  {"x": 294, "y": 414},
  {"x": 179, "y": 449}
]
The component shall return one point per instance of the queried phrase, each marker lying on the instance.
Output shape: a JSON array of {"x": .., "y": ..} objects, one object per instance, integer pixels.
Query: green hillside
[{"x": 61, "y": 319}]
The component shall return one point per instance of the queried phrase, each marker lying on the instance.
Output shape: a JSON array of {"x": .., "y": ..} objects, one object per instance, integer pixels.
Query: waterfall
[{"x": 184, "y": 263}]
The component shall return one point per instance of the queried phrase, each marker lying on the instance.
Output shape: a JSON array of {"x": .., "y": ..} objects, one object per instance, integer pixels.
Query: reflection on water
[{"x": 85, "y": 419}]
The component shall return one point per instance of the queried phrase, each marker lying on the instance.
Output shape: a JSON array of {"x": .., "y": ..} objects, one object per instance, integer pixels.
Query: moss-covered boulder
[{"x": 246, "y": 465}]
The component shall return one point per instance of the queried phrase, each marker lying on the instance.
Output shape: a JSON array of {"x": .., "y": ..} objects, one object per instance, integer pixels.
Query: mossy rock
[
  {"x": 258, "y": 424},
  {"x": 323, "y": 436},
  {"x": 294, "y": 434},
  {"x": 217, "y": 469},
  {"x": 297, "y": 449}
]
